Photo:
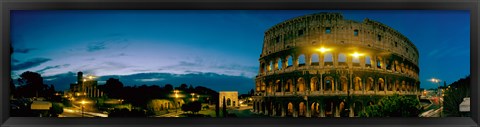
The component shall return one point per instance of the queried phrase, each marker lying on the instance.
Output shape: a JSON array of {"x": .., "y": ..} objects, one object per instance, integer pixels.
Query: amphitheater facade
[{"x": 322, "y": 65}]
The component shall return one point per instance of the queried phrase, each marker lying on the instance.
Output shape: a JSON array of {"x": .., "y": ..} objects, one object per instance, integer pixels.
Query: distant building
[
  {"x": 85, "y": 86},
  {"x": 231, "y": 98}
]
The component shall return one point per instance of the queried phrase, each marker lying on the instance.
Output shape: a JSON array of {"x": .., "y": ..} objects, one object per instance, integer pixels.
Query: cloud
[
  {"x": 52, "y": 67},
  {"x": 24, "y": 50},
  {"x": 15, "y": 60},
  {"x": 96, "y": 46},
  {"x": 29, "y": 64},
  {"x": 61, "y": 81},
  {"x": 116, "y": 55},
  {"x": 188, "y": 64},
  {"x": 114, "y": 41}
]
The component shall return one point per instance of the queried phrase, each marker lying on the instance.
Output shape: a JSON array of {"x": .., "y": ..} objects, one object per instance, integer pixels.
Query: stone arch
[
  {"x": 314, "y": 59},
  {"x": 329, "y": 108},
  {"x": 328, "y": 59},
  {"x": 344, "y": 83},
  {"x": 397, "y": 85},
  {"x": 262, "y": 107},
  {"x": 262, "y": 68},
  {"x": 379, "y": 63},
  {"x": 369, "y": 84},
  {"x": 357, "y": 108},
  {"x": 301, "y": 60},
  {"x": 270, "y": 66},
  {"x": 290, "y": 109},
  {"x": 258, "y": 106},
  {"x": 390, "y": 85},
  {"x": 358, "y": 84},
  {"x": 289, "y": 86},
  {"x": 402, "y": 68},
  {"x": 368, "y": 61},
  {"x": 329, "y": 84},
  {"x": 315, "y": 109},
  {"x": 270, "y": 87},
  {"x": 342, "y": 106},
  {"x": 279, "y": 65},
  {"x": 403, "y": 85},
  {"x": 381, "y": 84},
  {"x": 397, "y": 67},
  {"x": 289, "y": 61},
  {"x": 314, "y": 84},
  {"x": 229, "y": 102},
  {"x": 301, "y": 85},
  {"x": 263, "y": 87},
  {"x": 342, "y": 58},
  {"x": 278, "y": 109},
  {"x": 408, "y": 87},
  {"x": 302, "y": 109},
  {"x": 356, "y": 60},
  {"x": 278, "y": 87}
]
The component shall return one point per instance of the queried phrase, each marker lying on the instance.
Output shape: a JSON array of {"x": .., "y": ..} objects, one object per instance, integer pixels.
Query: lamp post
[
  {"x": 83, "y": 102},
  {"x": 176, "y": 98}
]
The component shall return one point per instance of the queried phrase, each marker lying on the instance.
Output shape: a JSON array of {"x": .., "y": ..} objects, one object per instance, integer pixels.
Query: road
[
  {"x": 435, "y": 112},
  {"x": 77, "y": 112},
  {"x": 171, "y": 114}
]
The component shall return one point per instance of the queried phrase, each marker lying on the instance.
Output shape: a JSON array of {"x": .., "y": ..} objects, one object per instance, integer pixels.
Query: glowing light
[
  {"x": 435, "y": 80},
  {"x": 83, "y": 102},
  {"x": 322, "y": 49},
  {"x": 356, "y": 54}
]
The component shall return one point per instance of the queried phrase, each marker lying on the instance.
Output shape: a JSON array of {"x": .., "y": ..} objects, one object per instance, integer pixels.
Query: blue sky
[{"x": 182, "y": 43}]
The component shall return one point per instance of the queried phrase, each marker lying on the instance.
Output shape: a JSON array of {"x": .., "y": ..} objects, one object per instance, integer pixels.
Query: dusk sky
[{"x": 214, "y": 48}]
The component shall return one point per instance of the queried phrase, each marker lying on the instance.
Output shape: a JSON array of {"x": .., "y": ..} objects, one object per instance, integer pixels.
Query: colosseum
[{"x": 322, "y": 65}]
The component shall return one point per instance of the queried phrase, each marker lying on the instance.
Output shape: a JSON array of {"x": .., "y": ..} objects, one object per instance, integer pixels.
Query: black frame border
[{"x": 7, "y": 5}]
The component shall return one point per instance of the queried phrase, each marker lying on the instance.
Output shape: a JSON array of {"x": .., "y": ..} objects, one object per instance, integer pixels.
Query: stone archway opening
[
  {"x": 358, "y": 84},
  {"x": 329, "y": 84},
  {"x": 290, "y": 109},
  {"x": 314, "y": 84},
  {"x": 302, "y": 109},
  {"x": 301, "y": 85}
]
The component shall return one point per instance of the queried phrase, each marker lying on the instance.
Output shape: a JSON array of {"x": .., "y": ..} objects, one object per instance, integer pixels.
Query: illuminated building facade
[
  {"x": 85, "y": 86},
  {"x": 322, "y": 65}
]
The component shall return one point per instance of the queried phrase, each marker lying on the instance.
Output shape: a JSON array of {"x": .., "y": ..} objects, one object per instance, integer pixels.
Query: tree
[
  {"x": 32, "y": 83},
  {"x": 394, "y": 106},
  {"x": 252, "y": 92},
  {"x": 454, "y": 96},
  {"x": 224, "y": 111},
  {"x": 113, "y": 87},
  {"x": 56, "y": 109},
  {"x": 190, "y": 89},
  {"x": 12, "y": 87},
  {"x": 192, "y": 107},
  {"x": 217, "y": 109},
  {"x": 168, "y": 87},
  {"x": 183, "y": 87}
]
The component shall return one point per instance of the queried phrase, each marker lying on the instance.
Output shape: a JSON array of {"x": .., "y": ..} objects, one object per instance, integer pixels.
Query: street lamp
[
  {"x": 356, "y": 54},
  {"x": 83, "y": 102},
  {"x": 176, "y": 96},
  {"x": 323, "y": 49}
]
